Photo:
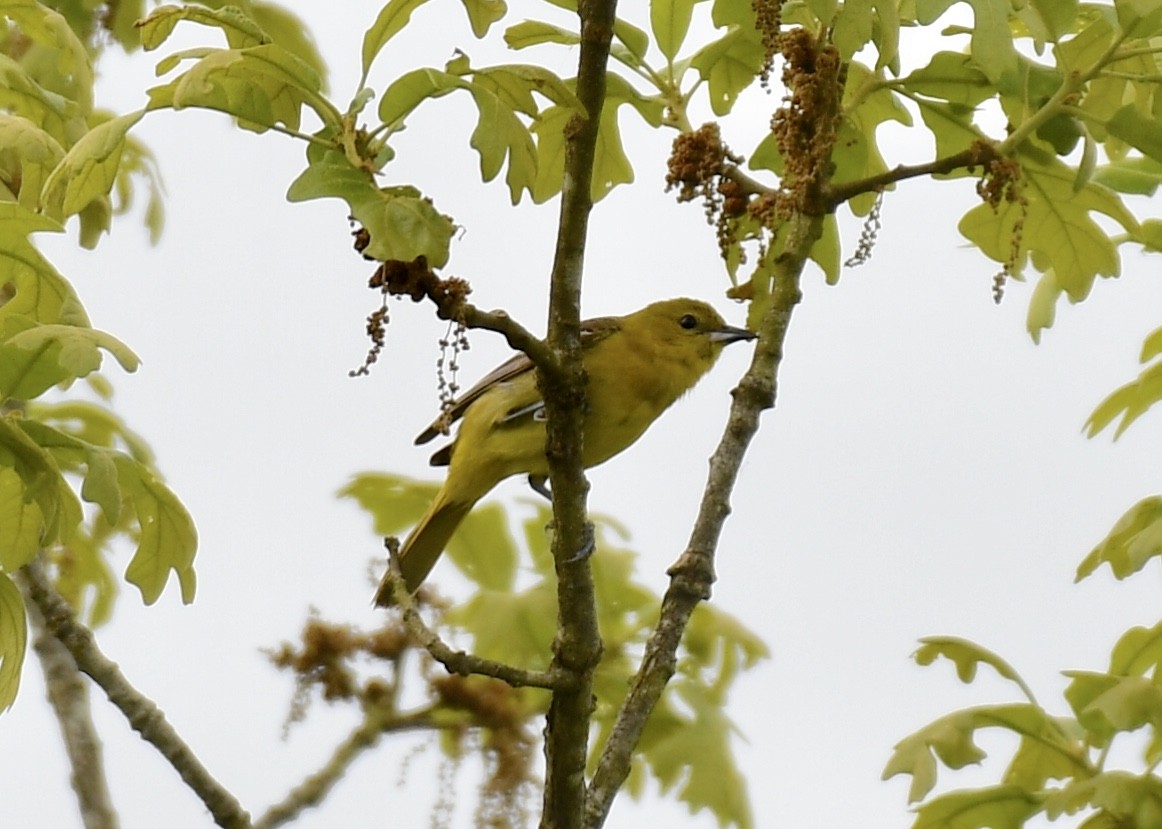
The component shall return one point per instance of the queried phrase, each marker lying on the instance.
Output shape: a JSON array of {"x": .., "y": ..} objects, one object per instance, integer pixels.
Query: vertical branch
[
  {"x": 693, "y": 573},
  {"x": 141, "y": 712},
  {"x": 578, "y": 644},
  {"x": 68, "y": 694},
  {"x": 804, "y": 128}
]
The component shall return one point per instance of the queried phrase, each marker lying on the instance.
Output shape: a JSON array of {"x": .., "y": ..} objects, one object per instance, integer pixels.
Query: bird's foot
[
  {"x": 537, "y": 482},
  {"x": 588, "y": 546}
]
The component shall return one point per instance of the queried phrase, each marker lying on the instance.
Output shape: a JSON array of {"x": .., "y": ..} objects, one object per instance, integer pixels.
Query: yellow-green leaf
[
  {"x": 167, "y": 537},
  {"x": 996, "y": 807},
  {"x": 670, "y": 21},
  {"x": 13, "y": 640},
  {"x": 1131, "y": 543},
  {"x": 388, "y": 23},
  {"x": 21, "y": 523},
  {"x": 965, "y": 655},
  {"x": 38, "y": 357}
]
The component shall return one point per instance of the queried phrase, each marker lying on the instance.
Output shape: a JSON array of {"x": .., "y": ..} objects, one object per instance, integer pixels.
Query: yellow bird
[{"x": 637, "y": 366}]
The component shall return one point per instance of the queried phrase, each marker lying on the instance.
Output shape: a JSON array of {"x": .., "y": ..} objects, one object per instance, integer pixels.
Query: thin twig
[
  {"x": 314, "y": 788},
  {"x": 68, "y": 694},
  {"x": 461, "y": 662},
  {"x": 976, "y": 155},
  {"x": 141, "y": 712}
]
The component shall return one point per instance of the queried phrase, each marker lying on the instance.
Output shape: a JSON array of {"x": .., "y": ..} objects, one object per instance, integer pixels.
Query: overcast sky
[{"x": 924, "y": 471}]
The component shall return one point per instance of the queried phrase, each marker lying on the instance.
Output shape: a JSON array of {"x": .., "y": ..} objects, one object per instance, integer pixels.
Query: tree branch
[
  {"x": 143, "y": 715},
  {"x": 461, "y": 662},
  {"x": 577, "y": 647},
  {"x": 68, "y": 694},
  {"x": 693, "y": 573},
  {"x": 314, "y": 788},
  {"x": 981, "y": 152}
]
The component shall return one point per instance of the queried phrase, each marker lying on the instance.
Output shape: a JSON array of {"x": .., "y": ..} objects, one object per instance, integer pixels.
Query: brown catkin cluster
[
  {"x": 412, "y": 279},
  {"x": 1002, "y": 184},
  {"x": 499, "y": 710},
  {"x": 805, "y": 125},
  {"x": 698, "y": 167},
  {"x": 768, "y": 18}
]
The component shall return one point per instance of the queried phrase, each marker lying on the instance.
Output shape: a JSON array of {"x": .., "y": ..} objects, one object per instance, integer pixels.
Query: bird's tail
[{"x": 423, "y": 547}]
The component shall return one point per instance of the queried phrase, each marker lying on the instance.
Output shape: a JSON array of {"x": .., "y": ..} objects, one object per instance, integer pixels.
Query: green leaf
[
  {"x": 412, "y": 88},
  {"x": 261, "y": 86},
  {"x": 13, "y": 640},
  {"x": 611, "y": 166},
  {"x": 500, "y": 135},
  {"x": 89, "y": 169},
  {"x": 997, "y": 807},
  {"x": 1056, "y": 752},
  {"x": 290, "y": 32},
  {"x": 482, "y": 547},
  {"x": 21, "y": 523},
  {"x": 388, "y": 23},
  {"x": 1129, "y": 704},
  {"x": 37, "y": 290},
  {"x": 951, "y": 740},
  {"x": 515, "y": 628},
  {"x": 991, "y": 44},
  {"x": 402, "y": 224},
  {"x": 853, "y": 27},
  {"x": 1124, "y": 800},
  {"x": 952, "y": 77},
  {"x": 34, "y": 358},
  {"x": 857, "y": 154},
  {"x": 395, "y": 502},
  {"x": 1133, "y": 541},
  {"x": 1137, "y": 130},
  {"x": 697, "y": 759},
  {"x": 43, "y": 482},
  {"x": 29, "y": 154},
  {"x": 886, "y": 34},
  {"x": 1048, "y": 20},
  {"x": 1151, "y": 346},
  {"x": 1042, "y": 305},
  {"x": 670, "y": 21},
  {"x": 965, "y": 655},
  {"x": 1138, "y": 652},
  {"x": 44, "y": 26},
  {"x": 1057, "y": 230},
  {"x": 21, "y": 95},
  {"x": 729, "y": 65},
  {"x": 535, "y": 32},
  {"x": 1131, "y": 401},
  {"x": 483, "y": 13},
  {"x": 484, "y": 550},
  {"x": 1136, "y": 176},
  {"x": 718, "y": 646},
  {"x": 167, "y": 538},
  {"x": 1139, "y": 18},
  {"x": 240, "y": 30}
]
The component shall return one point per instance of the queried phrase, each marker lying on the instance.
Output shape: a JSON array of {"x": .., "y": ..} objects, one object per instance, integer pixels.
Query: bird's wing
[
  {"x": 516, "y": 365},
  {"x": 592, "y": 331}
]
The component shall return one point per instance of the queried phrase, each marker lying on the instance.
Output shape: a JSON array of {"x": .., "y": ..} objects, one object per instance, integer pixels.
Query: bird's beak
[{"x": 730, "y": 334}]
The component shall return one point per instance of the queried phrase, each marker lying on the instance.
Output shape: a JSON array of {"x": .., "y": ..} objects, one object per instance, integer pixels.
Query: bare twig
[
  {"x": 314, "y": 788},
  {"x": 68, "y": 694},
  {"x": 143, "y": 715},
  {"x": 978, "y": 154},
  {"x": 461, "y": 662}
]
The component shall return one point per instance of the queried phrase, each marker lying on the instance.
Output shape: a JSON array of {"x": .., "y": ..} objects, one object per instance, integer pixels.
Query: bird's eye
[{"x": 688, "y": 321}]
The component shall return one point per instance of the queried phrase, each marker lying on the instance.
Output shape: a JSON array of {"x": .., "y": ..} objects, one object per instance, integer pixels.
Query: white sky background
[{"x": 923, "y": 472}]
